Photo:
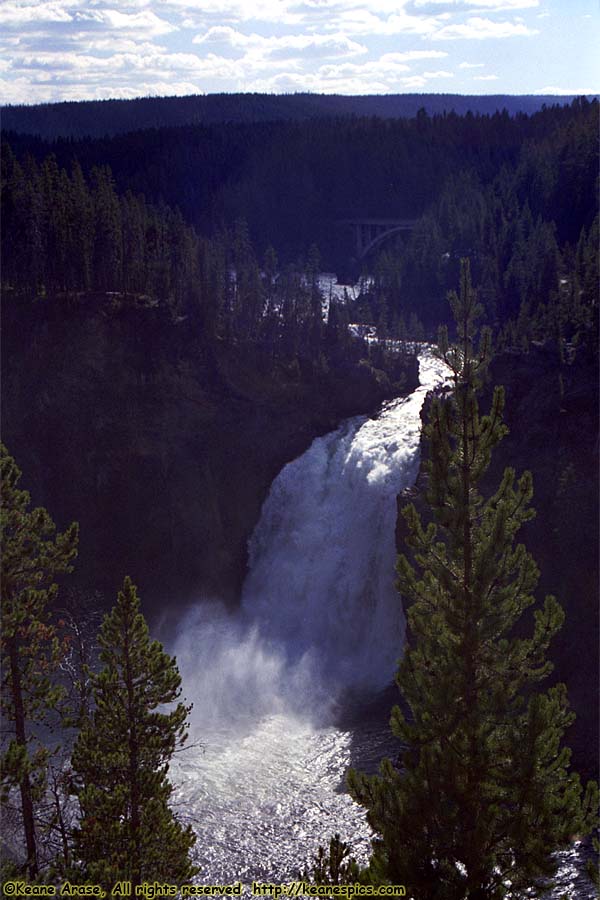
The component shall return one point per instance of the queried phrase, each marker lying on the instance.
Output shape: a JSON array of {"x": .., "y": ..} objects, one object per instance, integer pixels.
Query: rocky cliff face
[
  {"x": 162, "y": 450},
  {"x": 552, "y": 413}
]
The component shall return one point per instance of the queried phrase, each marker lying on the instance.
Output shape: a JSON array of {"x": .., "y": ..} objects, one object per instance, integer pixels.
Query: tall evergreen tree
[
  {"x": 121, "y": 759},
  {"x": 483, "y": 796},
  {"x": 108, "y": 235},
  {"x": 32, "y": 555}
]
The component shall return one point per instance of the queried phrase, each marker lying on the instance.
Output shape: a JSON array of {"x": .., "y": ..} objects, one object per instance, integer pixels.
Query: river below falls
[{"x": 262, "y": 798}]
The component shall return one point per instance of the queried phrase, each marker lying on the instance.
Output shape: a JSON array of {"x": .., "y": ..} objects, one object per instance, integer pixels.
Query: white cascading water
[
  {"x": 262, "y": 783},
  {"x": 321, "y": 579},
  {"x": 320, "y": 615}
]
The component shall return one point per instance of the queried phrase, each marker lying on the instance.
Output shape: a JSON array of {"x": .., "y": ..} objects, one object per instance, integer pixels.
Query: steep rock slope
[{"x": 161, "y": 447}]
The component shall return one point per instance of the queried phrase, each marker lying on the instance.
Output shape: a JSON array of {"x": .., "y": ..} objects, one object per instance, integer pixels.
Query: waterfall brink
[{"x": 319, "y": 615}]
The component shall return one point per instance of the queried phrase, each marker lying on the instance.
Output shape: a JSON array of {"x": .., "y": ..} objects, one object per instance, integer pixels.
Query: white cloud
[
  {"x": 333, "y": 8},
  {"x": 487, "y": 5},
  {"x": 404, "y": 23},
  {"x": 382, "y": 76},
  {"x": 67, "y": 20},
  {"x": 90, "y": 15},
  {"x": 289, "y": 46},
  {"x": 503, "y": 5},
  {"x": 361, "y": 21},
  {"x": 14, "y": 13},
  {"x": 146, "y": 22},
  {"x": 128, "y": 72},
  {"x": 410, "y": 55},
  {"x": 313, "y": 82},
  {"x": 380, "y": 70},
  {"x": 68, "y": 49},
  {"x": 414, "y": 83},
  {"x": 113, "y": 44},
  {"x": 565, "y": 92},
  {"x": 21, "y": 90},
  {"x": 69, "y": 62},
  {"x": 480, "y": 29},
  {"x": 222, "y": 34},
  {"x": 278, "y": 12}
]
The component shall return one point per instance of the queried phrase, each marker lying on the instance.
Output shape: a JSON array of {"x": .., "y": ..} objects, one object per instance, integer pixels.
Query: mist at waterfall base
[{"x": 289, "y": 691}]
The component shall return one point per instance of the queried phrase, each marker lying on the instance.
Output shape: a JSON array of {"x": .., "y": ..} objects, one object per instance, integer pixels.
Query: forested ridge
[
  {"x": 168, "y": 347},
  {"x": 105, "y": 117},
  {"x": 65, "y": 237},
  {"x": 490, "y": 187}
]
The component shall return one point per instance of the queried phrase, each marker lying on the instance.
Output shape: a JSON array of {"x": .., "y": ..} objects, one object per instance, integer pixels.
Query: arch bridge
[{"x": 369, "y": 233}]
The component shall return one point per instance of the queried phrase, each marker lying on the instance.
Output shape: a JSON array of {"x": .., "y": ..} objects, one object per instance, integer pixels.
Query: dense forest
[
  {"x": 97, "y": 118},
  {"x": 490, "y": 187},
  {"x": 66, "y": 237},
  {"x": 168, "y": 347}
]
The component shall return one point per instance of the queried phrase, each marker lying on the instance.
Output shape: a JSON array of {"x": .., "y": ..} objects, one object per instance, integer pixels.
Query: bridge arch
[
  {"x": 380, "y": 238},
  {"x": 368, "y": 233}
]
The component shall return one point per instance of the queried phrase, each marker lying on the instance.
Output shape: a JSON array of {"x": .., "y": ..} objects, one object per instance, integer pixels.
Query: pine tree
[
  {"x": 82, "y": 231},
  {"x": 121, "y": 759},
  {"x": 482, "y": 796},
  {"x": 332, "y": 866},
  {"x": 107, "y": 255},
  {"x": 32, "y": 555}
]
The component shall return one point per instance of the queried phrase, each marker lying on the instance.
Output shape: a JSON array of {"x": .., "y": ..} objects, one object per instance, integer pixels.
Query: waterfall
[
  {"x": 321, "y": 578},
  {"x": 320, "y": 614}
]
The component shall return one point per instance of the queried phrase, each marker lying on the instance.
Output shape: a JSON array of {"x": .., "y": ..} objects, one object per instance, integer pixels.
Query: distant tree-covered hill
[
  {"x": 474, "y": 176},
  {"x": 97, "y": 118}
]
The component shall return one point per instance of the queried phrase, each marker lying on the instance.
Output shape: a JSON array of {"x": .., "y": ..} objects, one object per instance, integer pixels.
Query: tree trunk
[
  {"x": 25, "y": 783},
  {"x": 136, "y": 874}
]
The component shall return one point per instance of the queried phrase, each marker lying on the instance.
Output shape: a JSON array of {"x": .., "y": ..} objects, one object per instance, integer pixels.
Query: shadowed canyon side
[{"x": 162, "y": 448}]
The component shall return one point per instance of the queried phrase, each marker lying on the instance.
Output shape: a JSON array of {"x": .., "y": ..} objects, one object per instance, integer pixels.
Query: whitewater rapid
[{"x": 263, "y": 781}]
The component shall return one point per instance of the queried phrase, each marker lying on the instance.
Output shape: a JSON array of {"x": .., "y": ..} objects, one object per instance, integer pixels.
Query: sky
[{"x": 96, "y": 49}]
